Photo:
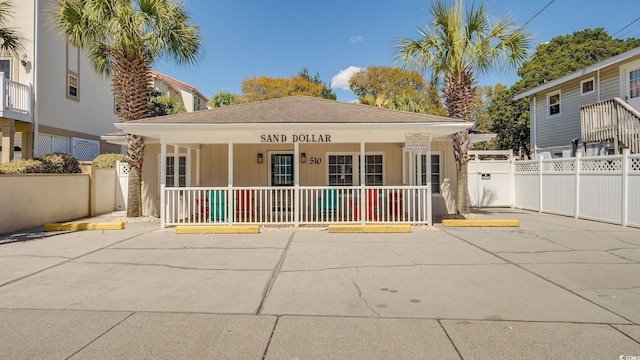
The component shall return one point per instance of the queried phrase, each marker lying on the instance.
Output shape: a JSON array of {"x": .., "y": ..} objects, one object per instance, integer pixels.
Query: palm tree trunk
[
  {"x": 131, "y": 81},
  {"x": 459, "y": 94}
]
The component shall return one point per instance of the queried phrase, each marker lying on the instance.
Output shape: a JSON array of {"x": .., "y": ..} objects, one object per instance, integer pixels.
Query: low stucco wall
[
  {"x": 28, "y": 201},
  {"x": 103, "y": 191}
]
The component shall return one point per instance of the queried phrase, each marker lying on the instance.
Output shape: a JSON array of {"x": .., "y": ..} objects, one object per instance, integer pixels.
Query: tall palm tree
[
  {"x": 11, "y": 42},
  {"x": 123, "y": 39},
  {"x": 460, "y": 43}
]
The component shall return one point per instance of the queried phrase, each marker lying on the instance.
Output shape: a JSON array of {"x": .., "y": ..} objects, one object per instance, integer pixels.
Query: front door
[
  {"x": 282, "y": 178},
  {"x": 632, "y": 85}
]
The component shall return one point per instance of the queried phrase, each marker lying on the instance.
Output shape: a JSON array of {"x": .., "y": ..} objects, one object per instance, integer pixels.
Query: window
[
  {"x": 587, "y": 86},
  {"x": 436, "y": 171},
  {"x": 182, "y": 171},
  {"x": 72, "y": 83},
  {"x": 73, "y": 73},
  {"x": 5, "y": 67},
  {"x": 281, "y": 169},
  {"x": 553, "y": 103},
  {"x": 373, "y": 170},
  {"x": 340, "y": 170},
  {"x": 634, "y": 84}
]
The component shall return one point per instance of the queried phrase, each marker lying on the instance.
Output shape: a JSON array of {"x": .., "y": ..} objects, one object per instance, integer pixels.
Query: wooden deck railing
[
  {"x": 611, "y": 120},
  {"x": 16, "y": 99},
  {"x": 296, "y": 206}
]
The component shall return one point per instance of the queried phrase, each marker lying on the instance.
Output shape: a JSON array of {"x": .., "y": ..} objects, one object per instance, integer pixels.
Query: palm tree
[
  {"x": 225, "y": 98},
  {"x": 460, "y": 43},
  {"x": 11, "y": 42},
  {"x": 123, "y": 39}
]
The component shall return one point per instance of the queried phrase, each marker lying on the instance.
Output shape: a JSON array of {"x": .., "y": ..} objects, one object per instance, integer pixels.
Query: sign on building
[{"x": 417, "y": 142}]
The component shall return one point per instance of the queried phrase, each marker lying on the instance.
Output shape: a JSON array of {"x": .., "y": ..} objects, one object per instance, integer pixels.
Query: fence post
[
  {"x": 512, "y": 179},
  {"x": 625, "y": 187},
  {"x": 576, "y": 211},
  {"x": 540, "y": 183}
]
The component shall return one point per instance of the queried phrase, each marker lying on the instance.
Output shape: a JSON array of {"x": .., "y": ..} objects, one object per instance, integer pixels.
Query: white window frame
[
  {"x": 549, "y": 95},
  {"x": 591, "y": 79},
  {"x": 75, "y": 97},
  {"x": 187, "y": 169},
  {"x": 10, "y": 59},
  {"x": 440, "y": 155},
  {"x": 356, "y": 165}
]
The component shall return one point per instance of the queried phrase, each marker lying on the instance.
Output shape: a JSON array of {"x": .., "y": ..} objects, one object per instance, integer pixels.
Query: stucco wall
[
  {"x": 103, "y": 191},
  {"x": 28, "y": 201}
]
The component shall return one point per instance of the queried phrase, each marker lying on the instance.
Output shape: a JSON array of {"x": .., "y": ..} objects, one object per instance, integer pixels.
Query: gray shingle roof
[{"x": 296, "y": 109}]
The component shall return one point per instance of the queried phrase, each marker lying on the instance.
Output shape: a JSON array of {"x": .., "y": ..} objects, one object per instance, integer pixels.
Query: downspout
[{"x": 35, "y": 77}]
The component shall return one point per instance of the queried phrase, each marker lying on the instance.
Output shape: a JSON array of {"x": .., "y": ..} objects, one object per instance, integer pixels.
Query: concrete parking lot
[{"x": 555, "y": 287}]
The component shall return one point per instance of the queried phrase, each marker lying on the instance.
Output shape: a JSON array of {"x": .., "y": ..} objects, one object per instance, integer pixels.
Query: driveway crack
[{"x": 363, "y": 298}]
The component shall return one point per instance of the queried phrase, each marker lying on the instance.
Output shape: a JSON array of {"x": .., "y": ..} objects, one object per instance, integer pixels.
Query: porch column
[
  {"x": 230, "y": 201},
  {"x": 176, "y": 165},
  {"x": 363, "y": 196},
  {"x": 8, "y": 127},
  {"x": 198, "y": 167},
  {"x": 163, "y": 176},
  {"x": 296, "y": 184},
  {"x": 429, "y": 187}
]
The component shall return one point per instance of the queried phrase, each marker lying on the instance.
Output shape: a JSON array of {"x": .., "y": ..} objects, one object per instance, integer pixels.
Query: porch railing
[
  {"x": 296, "y": 205},
  {"x": 16, "y": 99},
  {"x": 611, "y": 120}
]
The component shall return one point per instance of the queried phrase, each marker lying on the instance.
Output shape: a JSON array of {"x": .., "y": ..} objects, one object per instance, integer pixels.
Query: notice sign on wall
[{"x": 417, "y": 142}]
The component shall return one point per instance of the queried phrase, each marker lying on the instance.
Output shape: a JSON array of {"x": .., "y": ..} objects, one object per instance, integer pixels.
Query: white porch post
[
  {"x": 163, "y": 180},
  {"x": 198, "y": 167},
  {"x": 230, "y": 184},
  {"x": 296, "y": 183},
  {"x": 363, "y": 196},
  {"x": 429, "y": 199},
  {"x": 176, "y": 165}
]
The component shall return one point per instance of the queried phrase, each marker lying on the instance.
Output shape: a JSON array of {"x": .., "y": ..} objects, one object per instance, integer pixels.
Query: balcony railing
[
  {"x": 611, "y": 120},
  {"x": 16, "y": 100},
  {"x": 296, "y": 206}
]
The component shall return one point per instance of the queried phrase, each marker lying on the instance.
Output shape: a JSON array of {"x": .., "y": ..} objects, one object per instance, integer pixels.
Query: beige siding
[
  {"x": 247, "y": 172},
  {"x": 610, "y": 83}
]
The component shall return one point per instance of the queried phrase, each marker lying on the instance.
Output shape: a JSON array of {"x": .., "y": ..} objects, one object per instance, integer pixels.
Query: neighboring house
[
  {"x": 191, "y": 98},
  {"x": 52, "y": 100},
  {"x": 595, "y": 110},
  {"x": 297, "y": 160}
]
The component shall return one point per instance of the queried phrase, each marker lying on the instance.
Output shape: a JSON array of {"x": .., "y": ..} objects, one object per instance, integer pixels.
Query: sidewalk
[{"x": 556, "y": 287}]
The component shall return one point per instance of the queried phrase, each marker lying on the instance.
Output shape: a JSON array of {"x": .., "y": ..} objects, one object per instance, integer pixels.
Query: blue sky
[{"x": 278, "y": 38}]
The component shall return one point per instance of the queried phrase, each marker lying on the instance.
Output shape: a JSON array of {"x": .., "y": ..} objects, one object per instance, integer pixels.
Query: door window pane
[
  {"x": 634, "y": 83},
  {"x": 340, "y": 170},
  {"x": 282, "y": 169},
  {"x": 182, "y": 171},
  {"x": 435, "y": 172},
  {"x": 373, "y": 167}
]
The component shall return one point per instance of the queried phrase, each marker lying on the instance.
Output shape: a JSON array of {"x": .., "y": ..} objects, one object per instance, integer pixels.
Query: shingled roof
[{"x": 296, "y": 109}]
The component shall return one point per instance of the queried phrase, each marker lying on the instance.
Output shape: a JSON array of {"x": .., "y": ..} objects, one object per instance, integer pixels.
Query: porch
[
  {"x": 611, "y": 120},
  {"x": 15, "y": 112},
  {"x": 299, "y": 205}
]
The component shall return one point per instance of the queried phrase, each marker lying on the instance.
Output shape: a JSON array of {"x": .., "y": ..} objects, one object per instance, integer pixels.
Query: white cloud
[
  {"x": 341, "y": 79},
  {"x": 356, "y": 39}
]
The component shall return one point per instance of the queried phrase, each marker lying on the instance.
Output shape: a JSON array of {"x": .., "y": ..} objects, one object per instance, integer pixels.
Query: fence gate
[
  {"x": 490, "y": 178},
  {"x": 122, "y": 185}
]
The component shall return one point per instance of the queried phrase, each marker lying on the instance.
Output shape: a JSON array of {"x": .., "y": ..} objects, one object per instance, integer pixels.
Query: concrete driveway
[{"x": 554, "y": 288}]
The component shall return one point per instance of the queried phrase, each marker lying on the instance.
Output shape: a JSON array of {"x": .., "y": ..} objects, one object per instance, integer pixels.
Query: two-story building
[
  {"x": 52, "y": 100},
  {"x": 188, "y": 95},
  {"x": 595, "y": 110}
]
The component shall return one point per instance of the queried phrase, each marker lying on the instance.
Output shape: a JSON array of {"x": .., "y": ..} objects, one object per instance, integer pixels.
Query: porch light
[
  {"x": 303, "y": 158},
  {"x": 259, "y": 158}
]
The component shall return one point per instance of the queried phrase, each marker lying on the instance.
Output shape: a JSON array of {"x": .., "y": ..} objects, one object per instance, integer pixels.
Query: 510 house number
[{"x": 315, "y": 161}]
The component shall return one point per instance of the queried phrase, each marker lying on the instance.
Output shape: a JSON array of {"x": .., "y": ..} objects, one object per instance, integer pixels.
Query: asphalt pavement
[{"x": 554, "y": 288}]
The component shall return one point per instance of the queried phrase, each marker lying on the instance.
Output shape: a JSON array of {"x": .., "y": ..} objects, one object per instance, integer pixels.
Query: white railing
[
  {"x": 296, "y": 205},
  {"x": 16, "y": 99},
  {"x": 611, "y": 120},
  {"x": 602, "y": 188}
]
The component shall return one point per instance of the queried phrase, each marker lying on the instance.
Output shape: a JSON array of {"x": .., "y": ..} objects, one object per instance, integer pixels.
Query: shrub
[
  {"x": 29, "y": 166},
  {"x": 60, "y": 163},
  {"x": 107, "y": 160}
]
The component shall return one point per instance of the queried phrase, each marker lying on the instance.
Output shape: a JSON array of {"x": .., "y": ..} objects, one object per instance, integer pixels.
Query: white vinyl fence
[{"x": 602, "y": 188}]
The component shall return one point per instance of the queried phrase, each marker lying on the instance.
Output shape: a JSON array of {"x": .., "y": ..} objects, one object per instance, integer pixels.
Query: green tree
[
  {"x": 123, "y": 38},
  {"x": 165, "y": 104},
  {"x": 265, "y": 87},
  {"x": 11, "y": 42},
  {"x": 327, "y": 92},
  {"x": 384, "y": 82},
  {"x": 225, "y": 98},
  {"x": 459, "y": 44},
  {"x": 559, "y": 57}
]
